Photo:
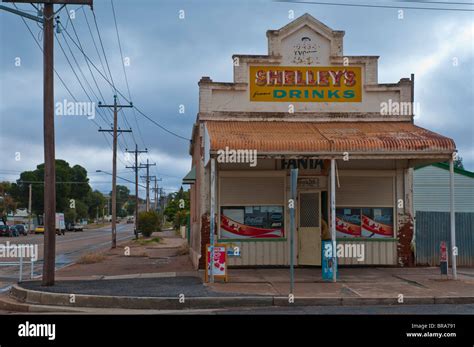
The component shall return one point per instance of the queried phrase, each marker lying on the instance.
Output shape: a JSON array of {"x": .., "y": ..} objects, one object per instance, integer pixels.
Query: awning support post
[
  {"x": 454, "y": 250},
  {"x": 212, "y": 222},
  {"x": 291, "y": 205},
  {"x": 333, "y": 219}
]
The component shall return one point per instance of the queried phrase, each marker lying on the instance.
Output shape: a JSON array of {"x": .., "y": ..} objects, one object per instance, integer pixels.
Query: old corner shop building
[{"x": 300, "y": 106}]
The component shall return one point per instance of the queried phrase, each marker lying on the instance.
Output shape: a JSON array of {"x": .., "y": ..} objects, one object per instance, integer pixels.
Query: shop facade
[{"x": 307, "y": 106}]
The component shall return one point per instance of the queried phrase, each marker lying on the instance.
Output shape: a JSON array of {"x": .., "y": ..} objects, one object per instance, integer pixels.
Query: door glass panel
[{"x": 309, "y": 210}]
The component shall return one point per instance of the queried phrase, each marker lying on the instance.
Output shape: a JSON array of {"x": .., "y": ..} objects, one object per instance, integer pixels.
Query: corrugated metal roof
[{"x": 311, "y": 137}]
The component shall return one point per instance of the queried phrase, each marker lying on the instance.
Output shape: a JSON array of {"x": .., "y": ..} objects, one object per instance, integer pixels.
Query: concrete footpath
[
  {"x": 246, "y": 288},
  {"x": 159, "y": 276}
]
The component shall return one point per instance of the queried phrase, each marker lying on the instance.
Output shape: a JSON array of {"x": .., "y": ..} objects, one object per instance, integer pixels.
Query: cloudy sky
[{"x": 167, "y": 56}]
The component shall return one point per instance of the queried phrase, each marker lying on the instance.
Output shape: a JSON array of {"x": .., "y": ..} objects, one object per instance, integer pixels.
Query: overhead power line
[
  {"x": 87, "y": 62},
  {"x": 437, "y": 2},
  {"x": 93, "y": 76},
  {"x": 61, "y": 79},
  {"x": 124, "y": 71},
  {"x": 103, "y": 51},
  {"x": 114, "y": 89},
  {"x": 119, "y": 92},
  {"x": 377, "y": 6},
  {"x": 93, "y": 40},
  {"x": 99, "y": 111},
  {"x": 75, "y": 74}
]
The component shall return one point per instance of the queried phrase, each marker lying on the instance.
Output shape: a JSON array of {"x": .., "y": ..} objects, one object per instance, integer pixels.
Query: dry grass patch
[
  {"x": 146, "y": 242},
  {"x": 91, "y": 258}
]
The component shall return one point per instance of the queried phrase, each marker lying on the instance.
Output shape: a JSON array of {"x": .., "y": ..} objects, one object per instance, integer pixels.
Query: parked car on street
[
  {"x": 74, "y": 227},
  {"x": 130, "y": 220},
  {"x": 5, "y": 230},
  {"x": 15, "y": 232},
  {"x": 78, "y": 227},
  {"x": 21, "y": 229},
  {"x": 39, "y": 229}
]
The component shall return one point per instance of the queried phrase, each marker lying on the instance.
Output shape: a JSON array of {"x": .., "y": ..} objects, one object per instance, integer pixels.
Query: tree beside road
[{"x": 74, "y": 195}]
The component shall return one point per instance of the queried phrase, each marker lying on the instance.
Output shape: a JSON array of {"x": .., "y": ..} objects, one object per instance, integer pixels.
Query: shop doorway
[{"x": 309, "y": 228}]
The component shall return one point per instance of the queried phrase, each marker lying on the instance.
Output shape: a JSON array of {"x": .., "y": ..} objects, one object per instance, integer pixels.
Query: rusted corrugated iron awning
[{"x": 328, "y": 137}]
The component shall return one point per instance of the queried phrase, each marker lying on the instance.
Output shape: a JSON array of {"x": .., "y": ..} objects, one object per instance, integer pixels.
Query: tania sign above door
[{"x": 305, "y": 84}]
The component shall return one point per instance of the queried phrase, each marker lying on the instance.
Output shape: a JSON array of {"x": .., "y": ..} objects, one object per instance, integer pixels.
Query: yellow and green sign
[{"x": 305, "y": 84}]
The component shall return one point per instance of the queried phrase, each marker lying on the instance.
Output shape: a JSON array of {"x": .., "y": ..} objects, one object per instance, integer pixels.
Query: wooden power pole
[
  {"x": 136, "y": 167},
  {"x": 147, "y": 165},
  {"x": 47, "y": 20},
  {"x": 30, "y": 196},
  {"x": 114, "y": 131},
  {"x": 155, "y": 190}
]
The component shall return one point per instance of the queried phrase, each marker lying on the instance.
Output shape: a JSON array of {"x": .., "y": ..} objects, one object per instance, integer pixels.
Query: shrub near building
[{"x": 149, "y": 222}]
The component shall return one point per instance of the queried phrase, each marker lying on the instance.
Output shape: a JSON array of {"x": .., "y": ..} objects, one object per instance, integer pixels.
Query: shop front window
[
  {"x": 252, "y": 222},
  {"x": 368, "y": 222}
]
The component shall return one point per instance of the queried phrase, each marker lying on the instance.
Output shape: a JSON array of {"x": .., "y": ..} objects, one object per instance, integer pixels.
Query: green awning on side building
[{"x": 190, "y": 178}]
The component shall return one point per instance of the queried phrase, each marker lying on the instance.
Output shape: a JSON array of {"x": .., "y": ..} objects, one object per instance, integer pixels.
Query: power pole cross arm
[{"x": 22, "y": 14}]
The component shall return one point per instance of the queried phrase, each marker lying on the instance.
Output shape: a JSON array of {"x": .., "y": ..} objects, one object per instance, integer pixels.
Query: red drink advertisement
[{"x": 219, "y": 266}]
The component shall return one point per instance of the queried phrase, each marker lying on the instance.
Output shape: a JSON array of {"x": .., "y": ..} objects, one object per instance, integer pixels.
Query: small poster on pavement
[{"x": 219, "y": 266}]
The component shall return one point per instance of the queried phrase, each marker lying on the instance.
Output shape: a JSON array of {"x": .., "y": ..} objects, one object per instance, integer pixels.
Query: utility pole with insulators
[
  {"x": 30, "y": 195},
  {"x": 136, "y": 167},
  {"x": 46, "y": 18},
  {"x": 155, "y": 191},
  {"x": 116, "y": 107},
  {"x": 148, "y": 184}
]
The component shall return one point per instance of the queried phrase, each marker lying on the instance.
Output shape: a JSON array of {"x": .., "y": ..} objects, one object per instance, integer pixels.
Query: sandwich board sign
[{"x": 220, "y": 262}]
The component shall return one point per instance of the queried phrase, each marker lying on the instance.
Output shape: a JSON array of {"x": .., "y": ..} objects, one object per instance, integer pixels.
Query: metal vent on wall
[{"x": 309, "y": 210}]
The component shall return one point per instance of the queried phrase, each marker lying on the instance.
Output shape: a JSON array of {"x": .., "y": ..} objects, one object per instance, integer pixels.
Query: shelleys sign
[{"x": 305, "y": 84}]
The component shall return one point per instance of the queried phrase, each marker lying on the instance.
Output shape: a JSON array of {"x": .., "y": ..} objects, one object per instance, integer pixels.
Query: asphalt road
[
  {"x": 69, "y": 248},
  {"x": 467, "y": 309},
  {"x": 354, "y": 310}
]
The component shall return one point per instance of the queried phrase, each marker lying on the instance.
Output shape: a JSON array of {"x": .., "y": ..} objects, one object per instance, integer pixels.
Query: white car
[{"x": 78, "y": 227}]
